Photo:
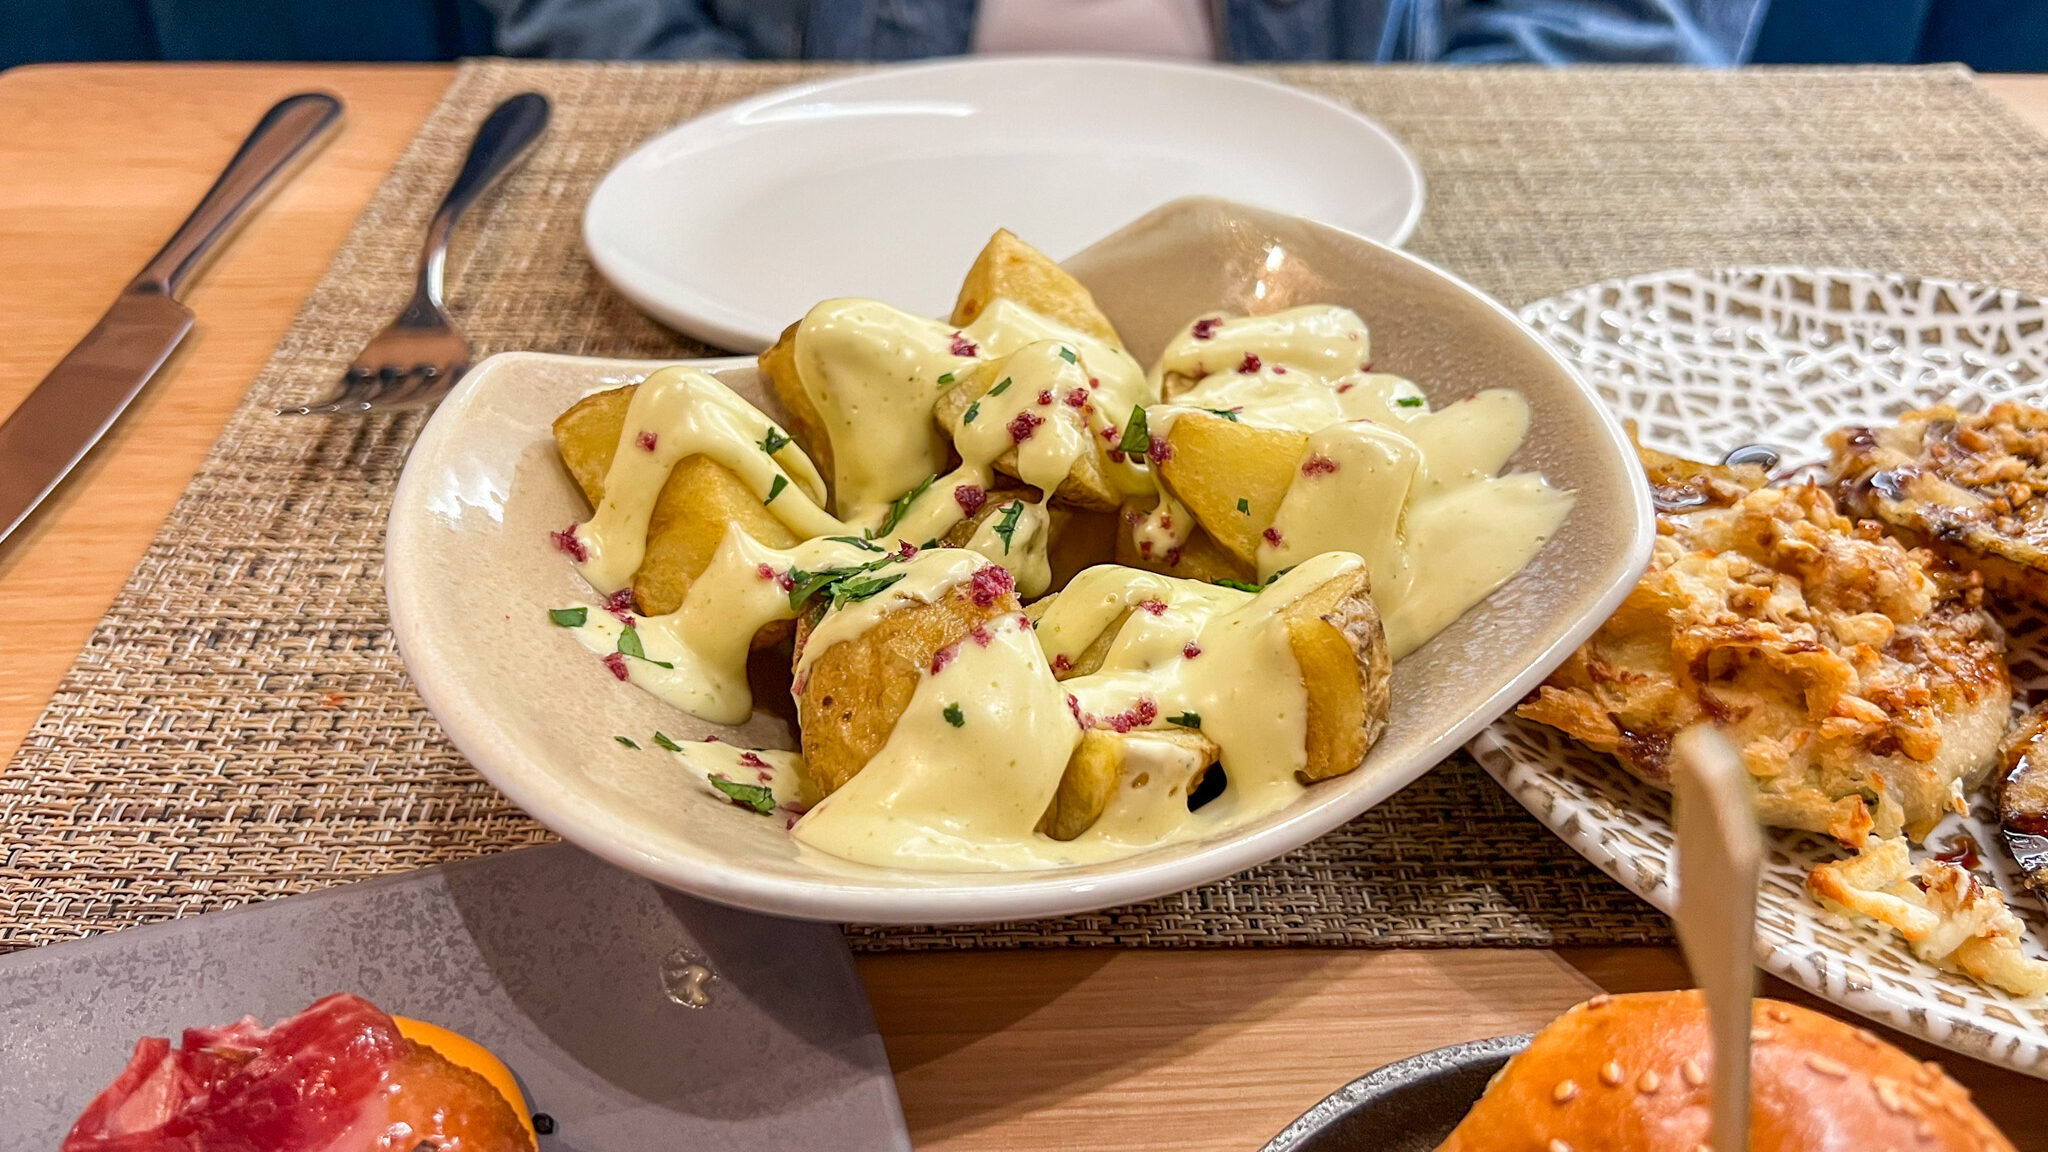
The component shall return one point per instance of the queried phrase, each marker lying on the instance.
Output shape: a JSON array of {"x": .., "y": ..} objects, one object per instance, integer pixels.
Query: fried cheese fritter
[
  {"x": 1862, "y": 681},
  {"x": 1973, "y": 488}
]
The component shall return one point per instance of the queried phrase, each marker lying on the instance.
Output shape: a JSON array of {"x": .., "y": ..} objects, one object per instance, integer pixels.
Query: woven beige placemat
[{"x": 240, "y": 727}]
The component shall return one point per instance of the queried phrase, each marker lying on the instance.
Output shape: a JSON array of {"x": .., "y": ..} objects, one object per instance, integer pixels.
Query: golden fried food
[
  {"x": 1973, "y": 488},
  {"x": 1337, "y": 640},
  {"x": 1863, "y": 681},
  {"x": 1010, "y": 269},
  {"x": 700, "y": 501},
  {"x": 1087, "y": 484},
  {"x": 1942, "y": 910},
  {"x": 850, "y": 697},
  {"x": 778, "y": 363},
  {"x": 1106, "y": 762},
  {"x": 1231, "y": 476}
]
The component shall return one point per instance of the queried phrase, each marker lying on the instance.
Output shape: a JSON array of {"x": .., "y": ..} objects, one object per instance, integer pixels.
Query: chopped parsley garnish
[
  {"x": 569, "y": 617},
  {"x": 775, "y": 442},
  {"x": 667, "y": 743},
  {"x": 1240, "y": 585},
  {"x": 1229, "y": 414},
  {"x": 973, "y": 410},
  {"x": 627, "y": 743},
  {"x": 1007, "y": 526},
  {"x": 1137, "y": 437},
  {"x": 857, "y": 542},
  {"x": 954, "y": 716},
  {"x": 946, "y": 379},
  {"x": 775, "y": 489},
  {"x": 847, "y": 591},
  {"x": 1067, "y": 354},
  {"x": 1410, "y": 401},
  {"x": 1244, "y": 505},
  {"x": 900, "y": 507},
  {"x": 805, "y": 585},
  {"x": 1186, "y": 719},
  {"x": 629, "y": 644},
  {"x": 1001, "y": 388},
  {"x": 759, "y": 797}
]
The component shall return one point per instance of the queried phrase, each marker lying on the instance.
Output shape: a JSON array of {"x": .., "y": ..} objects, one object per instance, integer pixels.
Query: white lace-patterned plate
[{"x": 1706, "y": 361}]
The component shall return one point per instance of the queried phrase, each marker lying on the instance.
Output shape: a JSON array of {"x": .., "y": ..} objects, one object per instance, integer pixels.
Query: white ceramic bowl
[
  {"x": 471, "y": 572},
  {"x": 732, "y": 225}
]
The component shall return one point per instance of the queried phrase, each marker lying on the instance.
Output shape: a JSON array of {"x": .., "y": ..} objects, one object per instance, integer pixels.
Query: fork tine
[
  {"x": 359, "y": 391},
  {"x": 426, "y": 382}
]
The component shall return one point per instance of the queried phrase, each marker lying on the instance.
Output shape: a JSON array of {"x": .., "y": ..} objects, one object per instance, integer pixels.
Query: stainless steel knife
[{"x": 81, "y": 397}]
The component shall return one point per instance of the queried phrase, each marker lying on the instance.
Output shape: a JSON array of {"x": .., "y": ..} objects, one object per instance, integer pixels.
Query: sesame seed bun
[{"x": 1632, "y": 1074}]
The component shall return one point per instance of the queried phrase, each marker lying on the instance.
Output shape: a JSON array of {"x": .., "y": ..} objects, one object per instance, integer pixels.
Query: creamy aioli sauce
[
  {"x": 1413, "y": 491},
  {"x": 967, "y": 772}
]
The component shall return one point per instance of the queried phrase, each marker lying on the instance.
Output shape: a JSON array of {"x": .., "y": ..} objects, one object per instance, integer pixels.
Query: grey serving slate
[{"x": 561, "y": 964}]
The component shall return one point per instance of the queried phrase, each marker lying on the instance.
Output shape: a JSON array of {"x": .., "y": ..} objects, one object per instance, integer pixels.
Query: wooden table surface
[{"x": 1095, "y": 1048}]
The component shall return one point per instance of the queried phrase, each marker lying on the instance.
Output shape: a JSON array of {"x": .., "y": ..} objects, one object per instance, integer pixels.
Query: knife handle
[{"x": 286, "y": 134}]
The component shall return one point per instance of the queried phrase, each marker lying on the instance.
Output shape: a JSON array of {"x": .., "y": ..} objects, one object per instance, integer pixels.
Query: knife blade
[{"x": 73, "y": 406}]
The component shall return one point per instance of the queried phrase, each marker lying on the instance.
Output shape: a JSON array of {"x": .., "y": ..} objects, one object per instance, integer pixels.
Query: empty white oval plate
[{"x": 731, "y": 226}]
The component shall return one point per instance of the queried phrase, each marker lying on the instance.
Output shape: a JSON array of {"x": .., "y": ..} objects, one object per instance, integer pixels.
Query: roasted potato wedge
[
  {"x": 1086, "y": 485},
  {"x": 961, "y": 534},
  {"x": 1010, "y": 269},
  {"x": 778, "y": 364},
  {"x": 1091, "y": 658},
  {"x": 1201, "y": 558},
  {"x": 1335, "y": 634},
  {"x": 1173, "y": 759},
  {"x": 701, "y": 499},
  {"x": 852, "y": 694},
  {"x": 1213, "y": 463}
]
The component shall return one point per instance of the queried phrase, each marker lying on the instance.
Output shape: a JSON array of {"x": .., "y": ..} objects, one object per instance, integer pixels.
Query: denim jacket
[{"x": 1704, "y": 32}]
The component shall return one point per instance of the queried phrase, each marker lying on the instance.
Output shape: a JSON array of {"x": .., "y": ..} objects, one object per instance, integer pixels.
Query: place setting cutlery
[{"x": 420, "y": 355}]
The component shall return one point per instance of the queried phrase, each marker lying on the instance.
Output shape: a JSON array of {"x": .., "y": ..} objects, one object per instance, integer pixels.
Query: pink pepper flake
[
  {"x": 1206, "y": 328},
  {"x": 1044, "y": 397},
  {"x": 648, "y": 440},
  {"x": 764, "y": 572},
  {"x": 1137, "y": 716},
  {"x": 906, "y": 550},
  {"x": 1144, "y": 548},
  {"x": 943, "y": 657},
  {"x": 1161, "y": 451},
  {"x": 1173, "y": 556},
  {"x": 990, "y": 584},
  {"x": 1076, "y": 398},
  {"x": 1249, "y": 364},
  {"x": 1365, "y": 367},
  {"x": 617, "y": 663},
  {"x": 1027, "y": 623},
  {"x": 764, "y": 777},
  {"x": 1074, "y": 706},
  {"x": 753, "y": 761},
  {"x": 970, "y": 498},
  {"x": 620, "y": 604},
  {"x": 1147, "y": 711},
  {"x": 1024, "y": 425},
  {"x": 1060, "y": 663},
  {"x": 1094, "y": 383},
  {"x": 962, "y": 346},
  {"x": 1190, "y": 650},
  {"x": 1272, "y": 536},
  {"x": 1318, "y": 465},
  {"x": 566, "y": 541},
  {"x": 1343, "y": 388},
  {"x": 1155, "y": 607},
  {"x": 980, "y": 636},
  {"x": 713, "y": 740},
  {"x": 789, "y": 824},
  {"x": 786, "y": 582},
  {"x": 1112, "y": 434},
  {"x": 1279, "y": 369}
]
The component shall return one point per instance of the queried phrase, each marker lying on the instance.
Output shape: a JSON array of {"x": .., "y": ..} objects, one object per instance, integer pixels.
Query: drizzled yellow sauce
[{"x": 1411, "y": 495}]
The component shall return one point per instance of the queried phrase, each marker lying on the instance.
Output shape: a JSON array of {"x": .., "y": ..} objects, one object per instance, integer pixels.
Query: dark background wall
[{"x": 1989, "y": 35}]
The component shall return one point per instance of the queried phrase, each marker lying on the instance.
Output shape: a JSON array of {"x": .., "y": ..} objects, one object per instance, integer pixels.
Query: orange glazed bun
[{"x": 1631, "y": 1074}]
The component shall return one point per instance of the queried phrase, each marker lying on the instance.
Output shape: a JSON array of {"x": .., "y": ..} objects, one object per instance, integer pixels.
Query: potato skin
[
  {"x": 850, "y": 698},
  {"x": 700, "y": 500},
  {"x": 1098, "y": 767},
  {"x": 1335, "y": 634},
  {"x": 778, "y": 363},
  {"x": 1010, "y": 269}
]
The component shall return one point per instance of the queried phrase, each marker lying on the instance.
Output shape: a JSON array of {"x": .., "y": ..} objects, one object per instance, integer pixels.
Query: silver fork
[{"x": 420, "y": 355}]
